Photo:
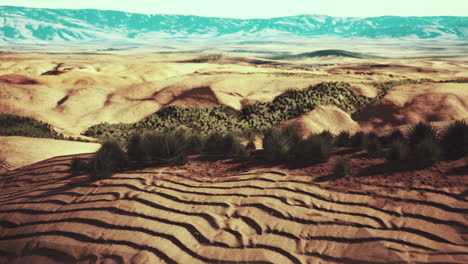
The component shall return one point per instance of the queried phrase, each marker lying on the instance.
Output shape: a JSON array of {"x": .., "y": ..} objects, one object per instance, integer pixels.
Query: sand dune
[
  {"x": 17, "y": 152},
  {"x": 324, "y": 117},
  {"x": 170, "y": 215},
  {"x": 409, "y": 104}
]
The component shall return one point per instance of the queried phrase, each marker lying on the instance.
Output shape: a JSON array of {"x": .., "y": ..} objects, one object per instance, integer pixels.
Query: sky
[{"x": 264, "y": 8}]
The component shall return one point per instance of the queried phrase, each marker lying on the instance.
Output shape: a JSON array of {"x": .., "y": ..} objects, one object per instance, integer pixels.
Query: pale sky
[{"x": 264, "y": 8}]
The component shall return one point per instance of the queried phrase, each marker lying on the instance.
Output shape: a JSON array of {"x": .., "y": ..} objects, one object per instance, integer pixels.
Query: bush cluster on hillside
[
  {"x": 257, "y": 117},
  {"x": 12, "y": 125}
]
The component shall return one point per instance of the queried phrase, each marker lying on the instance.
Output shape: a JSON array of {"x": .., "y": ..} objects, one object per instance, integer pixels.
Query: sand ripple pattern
[{"x": 164, "y": 216}]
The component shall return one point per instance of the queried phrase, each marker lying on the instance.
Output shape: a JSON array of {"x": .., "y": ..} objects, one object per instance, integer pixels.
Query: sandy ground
[
  {"x": 16, "y": 152},
  {"x": 228, "y": 212}
]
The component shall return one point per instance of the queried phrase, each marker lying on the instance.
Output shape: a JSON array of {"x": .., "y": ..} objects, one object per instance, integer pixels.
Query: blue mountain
[{"x": 39, "y": 25}]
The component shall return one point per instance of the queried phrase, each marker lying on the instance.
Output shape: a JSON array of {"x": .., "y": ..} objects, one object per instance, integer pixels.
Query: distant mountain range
[{"x": 43, "y": 26}]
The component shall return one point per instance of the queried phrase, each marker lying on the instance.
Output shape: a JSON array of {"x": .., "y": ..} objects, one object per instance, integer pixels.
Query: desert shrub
[
  {"x": 229, "y": 145},
  {"x": 215, "y": 144},
  {"x": 455, "y": 140},
  {"x": 166, "y": 146},
  {"x": 341, "y": 168},
  {"x": 373, "y": 146},
  {"x": 195, "y": 144},
  {"x": 78, "y": 166},
  {"x": 278, "y": 145},
  {"x": 315, "y": 148},
  {"x": 398, "y": 152},
  {"x": 343, "y": 139},
  {"x": 328, "y": 136},
  {"x": 426, "y": 153},
  {"x": 394, "y": 135},
  {"x": 358, "y": 140},
  {"x": 135, "y": 150},
  {"x": 421, "y": 131},
  {"x": 233, "y": 147},
  {"x": 109, "y": 159},
  {"x": 12, "y": 125},
  {"x": 250, "y": 145}
]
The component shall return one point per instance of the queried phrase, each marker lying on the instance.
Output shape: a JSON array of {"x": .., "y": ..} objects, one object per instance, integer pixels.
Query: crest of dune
[{"x": 324, "y": 117}]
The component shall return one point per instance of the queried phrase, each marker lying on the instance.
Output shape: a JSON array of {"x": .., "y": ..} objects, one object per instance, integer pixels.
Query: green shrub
[
  {"x": 109, "y": 159},
  {"x": 233, "y": 147},
  {"x": 343, "y": 139},
  {"x": 79, "y": 166},
  {"x": 315, "y": 148},
  {"x": 341, "y": 168},
  {"x": 398, "y": 152},
  {"x": 421, "y": 131},
  {"x": 278, "y": 145},
  {"x": 12, "y": 125},
  {"x": 426, "y": 153},
  {"x": 166, "y": 146},
  {"x": 358, "y": 141},
  {"x": 215, "y": 144},
  {"x": 455, "y": 140},
  {"x": 135, "y": 150},
  {"x": 195, "y": 144}
]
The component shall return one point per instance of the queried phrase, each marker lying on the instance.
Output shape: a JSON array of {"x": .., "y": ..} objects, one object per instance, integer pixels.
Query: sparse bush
[
  {"x": 109, "y": 159},
  {"x": 328, "y": 136},
  {"x": 358, "y": 141},
  {"x": 166, "y": 146},
  {"x": 421, "y": 131},
  {"x": 233, "y": 147},
  {"x": 228, "y": 145},
  {"x": 341, "y": 168},
  {"x": 373, "y": 146},
  {"x": 195, "y": 144},
  {"x": 315, "y": 148},
  {"x": 426, "y": 153},
  {"x": 455, "y": 140},
  {"x": 135, "y": 150},
  {"x": 399, "y": 152},
  {"x": 12, "y": 125},
  {"x": 215, "y": 144},
  {"x": 79, "y": 166},
  {"x": 343, "y": 139},
  {"x": 278, "y": 145},
  {"x": 394, "y": 135}
]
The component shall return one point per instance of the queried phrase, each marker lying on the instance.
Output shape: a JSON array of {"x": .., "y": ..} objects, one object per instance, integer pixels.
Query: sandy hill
[
  {"x": 212, "y": 213},
  {"x": 75, "y": 91}
]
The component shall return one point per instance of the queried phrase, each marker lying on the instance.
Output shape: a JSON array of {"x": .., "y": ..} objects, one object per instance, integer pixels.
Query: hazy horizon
[{"x": 244, "y": 9}]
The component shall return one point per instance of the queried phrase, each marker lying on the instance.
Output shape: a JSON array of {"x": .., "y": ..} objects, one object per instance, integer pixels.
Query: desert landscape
[
  {"x": 221, "y": 209},
  {"x": 234, "y": 147}
]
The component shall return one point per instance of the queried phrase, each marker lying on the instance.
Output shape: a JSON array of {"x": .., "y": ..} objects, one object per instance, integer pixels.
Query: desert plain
[{"x": 226, "y": 210}]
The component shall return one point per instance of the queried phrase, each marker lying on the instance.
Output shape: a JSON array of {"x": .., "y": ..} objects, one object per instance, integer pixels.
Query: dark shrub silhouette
[
  {"x": 426, "y": 153},
  {"x": 343, "y": 139},
  {"x": 455, "y": 140},
  {"x": 280, "y": 145},
  {"x": 315, "y": 148},
  {"x": 398, "y": 152},
  {"x": 421, "y": 131},
  {"x": 110, "y": 158},
  {"x": 358, "y": 141},
  {"x": 79, "y": 166},
  {"x": 341, "y": 168}
]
